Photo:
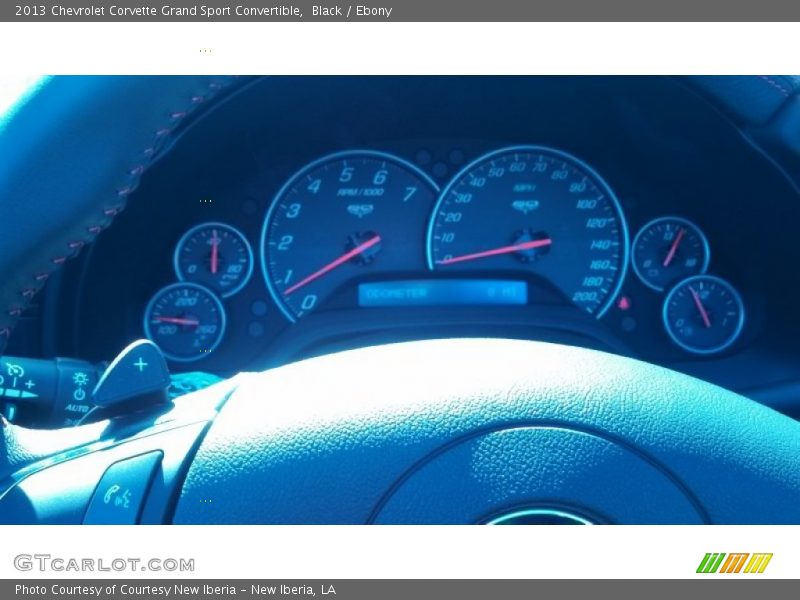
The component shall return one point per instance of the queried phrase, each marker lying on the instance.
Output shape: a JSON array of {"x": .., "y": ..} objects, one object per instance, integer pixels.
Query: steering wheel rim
[{"x": 466, "y": 430}]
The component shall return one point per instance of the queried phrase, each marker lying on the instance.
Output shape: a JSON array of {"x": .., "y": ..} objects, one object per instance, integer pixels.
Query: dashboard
[{"x": 303, "y": 215}]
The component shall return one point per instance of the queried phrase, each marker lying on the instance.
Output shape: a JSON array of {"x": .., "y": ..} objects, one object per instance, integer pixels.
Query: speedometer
[{"x": 538, "y": 211}]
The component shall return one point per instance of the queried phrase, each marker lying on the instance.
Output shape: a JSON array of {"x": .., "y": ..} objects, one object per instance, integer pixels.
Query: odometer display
[{"x": 537, "y": 210}]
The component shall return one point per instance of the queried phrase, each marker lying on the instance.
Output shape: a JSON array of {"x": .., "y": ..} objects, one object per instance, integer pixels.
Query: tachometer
[
  {"x": 342, "y": 217},
  {"x": 537, "y": 210}
]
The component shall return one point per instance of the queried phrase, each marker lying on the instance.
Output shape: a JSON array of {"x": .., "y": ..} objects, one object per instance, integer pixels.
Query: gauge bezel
[
  {"x": 334, "y": 156},
  {"x": 701, "y": 234},
  {"x": 716, "y": 349},
  {"x": 567, "y": 157},
  {"x": 167, "y": 288},
  {"x": 218, "y": 225}
]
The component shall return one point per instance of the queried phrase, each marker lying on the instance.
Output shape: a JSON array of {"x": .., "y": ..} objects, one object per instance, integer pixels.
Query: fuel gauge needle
[
  {"x": 700, "y": 308},
  {"x": 333, "y": 264},
  {"x": 496, "y": 251}
]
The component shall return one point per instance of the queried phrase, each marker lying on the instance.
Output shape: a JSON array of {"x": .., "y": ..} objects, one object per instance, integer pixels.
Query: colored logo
[
  {"x": 741, "y": 562},
  {"x": 360, "y": 210}
]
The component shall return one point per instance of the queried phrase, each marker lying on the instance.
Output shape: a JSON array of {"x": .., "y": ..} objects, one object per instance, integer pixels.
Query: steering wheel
[{"x": 441, "y": 431}]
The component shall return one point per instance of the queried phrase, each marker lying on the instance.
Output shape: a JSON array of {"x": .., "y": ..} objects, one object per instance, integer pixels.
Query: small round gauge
[
  {"x": 667, "y": 250},
  {"x": 214, "y": 255},
  {"x": 703, "y": 314},
  {"x": 538, "y": 211},
  {"x": 185, "y": 320},
  {"x": 346, "y": 216}
]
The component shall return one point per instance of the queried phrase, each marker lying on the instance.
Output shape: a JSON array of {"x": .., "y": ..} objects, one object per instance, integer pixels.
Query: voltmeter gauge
[{"x": 703, "y": 314}]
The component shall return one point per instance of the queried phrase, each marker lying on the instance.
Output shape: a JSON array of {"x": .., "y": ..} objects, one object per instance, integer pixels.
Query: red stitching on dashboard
[{"x": 135, "y": 173}]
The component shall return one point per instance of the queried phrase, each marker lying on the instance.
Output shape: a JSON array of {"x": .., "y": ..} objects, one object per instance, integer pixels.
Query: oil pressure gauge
[{"x": 216, "y": 256}]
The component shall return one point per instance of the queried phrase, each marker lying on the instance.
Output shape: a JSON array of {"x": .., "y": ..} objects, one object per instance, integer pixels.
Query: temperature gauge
[
  {"x": 185, "y": 320},
  {"x": 216, "y": 256},
  {"x": 703, "y": 314},
  {"x": 668, "y": 249}
]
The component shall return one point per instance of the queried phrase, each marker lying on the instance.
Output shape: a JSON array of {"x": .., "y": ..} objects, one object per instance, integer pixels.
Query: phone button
[{"x": 119, "y": 497}]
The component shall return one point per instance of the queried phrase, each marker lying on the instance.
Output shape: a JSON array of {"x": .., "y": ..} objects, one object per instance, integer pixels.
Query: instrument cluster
[
  {"x": 311, "y": 215},
  {"x": 521, "y": 227}
]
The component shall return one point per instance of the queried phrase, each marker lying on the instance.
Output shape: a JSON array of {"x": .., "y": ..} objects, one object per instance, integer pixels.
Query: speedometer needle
[
  {"x": 494, "y": 252},
  {"x": 700, "y": 308},
  {"x": 178, "y": 321},
  {"x": 674, "y": 247},
  {"x": 333, "y": 264}
]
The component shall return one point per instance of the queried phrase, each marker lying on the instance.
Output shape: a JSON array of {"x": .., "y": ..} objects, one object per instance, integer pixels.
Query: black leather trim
[
  {"x": 71, "y": 156},
  {"x": 748, "y": 99}
]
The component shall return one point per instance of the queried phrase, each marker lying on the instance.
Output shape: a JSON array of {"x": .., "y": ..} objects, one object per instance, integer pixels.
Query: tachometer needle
[
  {"x": 178, "y": 321},
  {"x": 674, "y": 247},
  {"x": 333, "y": 264},
  {"x": 700, "y": 308},
  {"x": 494, "y": 252},
  {"x": 214, "y": 252}
]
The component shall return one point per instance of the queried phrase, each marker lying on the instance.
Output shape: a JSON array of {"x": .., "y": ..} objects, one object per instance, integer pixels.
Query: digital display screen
[{"x": 468, "y": 292}]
